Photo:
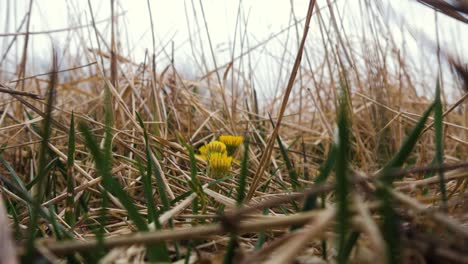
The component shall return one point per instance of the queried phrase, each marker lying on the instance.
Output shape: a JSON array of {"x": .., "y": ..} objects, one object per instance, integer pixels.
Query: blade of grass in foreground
[
  {"x": 324, "y": 172},
  {"x": 348, "y": 247},
  {"x": 262, "y": 235},
  {"x": 158, "y": 251},
  {"x": 231, "y": 249},
  {"x": 55, "y": 228},
  {"x": 102, "y": 219},
  {"x": 70, "y": 201},
  {"x": 59, "y": 235},
  {"x": 291, "y": 171},
  {"x": 42, "y": 163},
  {"x": 11, "y": 209},
  {"x": 391, "y": 221},
  {"x": 10, "y": 169},
  {"x": 160, "y": 184},
  {"x": 47, "y": 169},
  {"x": 342, "y": 187},
  {"x": 305, "y": 171},
  {"x": 194, "y": 183},
  {"x": 439, "y": 142},
  {"x": 290, "y": 168},
  {"x": 311, "y": 200},
  {"x": 390, "y": 226},
  {"x": 406, "y": 148},
  {"x": 147, "y": 185},
  {"x": 24, "y": 195},
  {"x": 103, "y": 167}
]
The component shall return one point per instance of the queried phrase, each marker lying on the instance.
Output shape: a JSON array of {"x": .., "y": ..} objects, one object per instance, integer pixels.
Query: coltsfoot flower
[
  {"x": 219, "y": 164},
  {"x": 202, "y": 154},
  {"x": 215, "y": 147},
  {"x": 231, "y": 142},
  {"x": 212, "y": 147},
  {"x": 219, "y": 154}
]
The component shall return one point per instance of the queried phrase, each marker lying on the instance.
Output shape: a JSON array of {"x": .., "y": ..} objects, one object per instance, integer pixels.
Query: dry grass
[{"x": 383, "y": 107}]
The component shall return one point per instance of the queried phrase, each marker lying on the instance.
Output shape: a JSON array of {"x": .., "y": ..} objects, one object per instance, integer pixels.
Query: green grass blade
[
  {"x": 103, "y": 166},
  {"x": 11, "y": 208},
  {"x": 215, "y": 182},
  {"x": 390, "y": 225},
  {"x": 262, "y": 235},
  {"x": 147, "y": 184},
  {"x": 324, "y": 250},
  {"x": 70, "y": 201},
  {"x": 405, "y": 150},
  {"x": 194, "y": 183},
  {"x": 42, "y": 174},
  {"x": 181, "y": 197},
  {"x": 59, "y": 234},
  {"x": 342, "y": 187},
  {"x": 305, "y": 173},
  {"x": 48, "y": 168},
  {"x": 157, "y": 252},
  {"x": 55, "y": 226},
  {"x": 188, "y": 254},
  {"x": 289, "y": 166},
  {"x": 231, "y": 249},
  {"x": 193, "y": 164},
  {"x": 243, "y": 173},
  {"x": 391, "y": 222},
  {"x": 13, "y": 173},
  {"x": 161, "y": 186},
  {"x": 350, "y": 243},
  {"x": 100, "y": 230},
  {"x": 24, "y": 195},
  {"x": 71, "y": 143},
  {"x": 439, "y": 142},
  {"x": 293, "y": 203},
  {"x": 82, "y": 208},
  {"x": 34, "y": 125},
  {"x": 324, "y": 172},
  {"x": 324, "y": 241}
]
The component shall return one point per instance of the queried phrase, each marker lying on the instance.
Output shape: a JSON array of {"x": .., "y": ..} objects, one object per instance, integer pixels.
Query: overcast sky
[{"x": 182, "y": 22}]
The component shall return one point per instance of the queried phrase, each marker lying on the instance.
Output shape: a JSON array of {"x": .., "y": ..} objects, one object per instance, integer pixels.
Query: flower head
[
  {"x": 215, "y": 146},
  {"x": 231, "y": 142},
  {"x": 212, "y": 147},
  {"x": 202, "y": 154},
  {"x": 219, "y": 164},
  {"x": 202, "y": 150}
]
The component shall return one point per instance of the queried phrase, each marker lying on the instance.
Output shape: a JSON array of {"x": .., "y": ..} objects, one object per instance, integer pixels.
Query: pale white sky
[{"x": 175, "y": 20}]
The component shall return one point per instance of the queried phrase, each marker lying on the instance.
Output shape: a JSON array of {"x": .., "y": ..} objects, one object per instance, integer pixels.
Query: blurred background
[{"x": 260, "y": 37}]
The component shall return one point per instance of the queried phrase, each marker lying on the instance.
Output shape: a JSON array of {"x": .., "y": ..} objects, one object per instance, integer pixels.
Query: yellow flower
[
  {"x": 212, "y": 147},
  {"x": 231, "y": 142},
  {"x": 202, "y": 151},
  {"x": 215, "y": 147},
  {"x": 219, "y": 164}
]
